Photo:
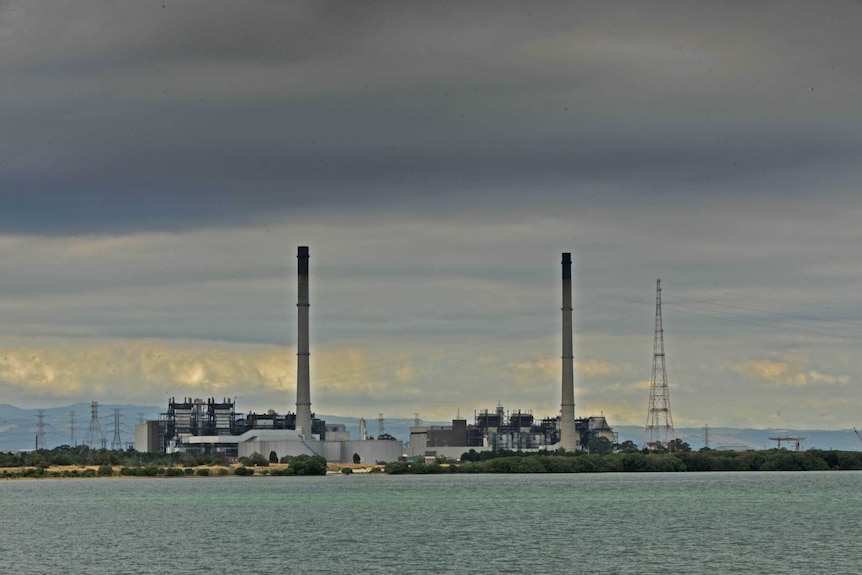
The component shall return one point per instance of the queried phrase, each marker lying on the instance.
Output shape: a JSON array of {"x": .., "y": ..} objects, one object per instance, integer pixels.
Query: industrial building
[
  {"x": 208, "y": 427},
  {"x": 499, "y": 430}
]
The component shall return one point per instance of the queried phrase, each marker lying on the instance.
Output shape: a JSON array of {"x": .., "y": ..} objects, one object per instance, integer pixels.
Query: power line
[
  {"x": 762, "y": 322},
  {"x": 803, "y": 317}
]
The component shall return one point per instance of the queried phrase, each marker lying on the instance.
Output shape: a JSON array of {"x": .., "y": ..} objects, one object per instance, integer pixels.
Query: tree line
[
  {"x": 633, "y": 460},
  {"x": 80, "y": 461}
]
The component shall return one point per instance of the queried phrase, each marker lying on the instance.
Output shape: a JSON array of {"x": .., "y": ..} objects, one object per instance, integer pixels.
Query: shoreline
[{"x": 213, "y": 471}]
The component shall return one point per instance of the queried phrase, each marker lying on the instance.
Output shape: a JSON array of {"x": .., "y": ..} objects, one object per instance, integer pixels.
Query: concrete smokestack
[
  {"x": 568, "y": 434},
  {"x": 303, "y": 393}
]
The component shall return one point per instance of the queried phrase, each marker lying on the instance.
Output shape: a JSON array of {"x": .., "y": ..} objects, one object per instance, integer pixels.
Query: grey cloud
[
  {"x": 159, "y": 166},
  {"x": 197, "y": 115}
]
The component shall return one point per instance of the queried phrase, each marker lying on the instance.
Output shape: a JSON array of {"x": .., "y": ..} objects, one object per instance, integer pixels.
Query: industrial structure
[
  {"x": 303, "y": 391},
  {"x": 501, "y": 430},
  {"x": 117, "y": 442},
  {"x": 94, "y": 432},
  {"x": 519, "y": 430},
  {"x": 659, "y": 431},
  {"x": 72, "y": 429},
  {"x": 794, "y": 440},
  {"x": 568, "y": 435},
  {"x": 40, "y": 429},
  {"x": 213, "y": 427}
]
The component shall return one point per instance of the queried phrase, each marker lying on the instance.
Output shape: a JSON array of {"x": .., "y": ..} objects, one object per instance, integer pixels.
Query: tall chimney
[
  {"x": 303, "y": 393},
  {"x": 568, "y": 434}
]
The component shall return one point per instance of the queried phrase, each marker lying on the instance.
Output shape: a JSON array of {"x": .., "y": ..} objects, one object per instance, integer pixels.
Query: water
[{"x": 681, "y": 523}]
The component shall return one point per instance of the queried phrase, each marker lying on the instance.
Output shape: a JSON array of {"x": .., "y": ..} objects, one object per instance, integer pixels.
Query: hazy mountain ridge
[{"x": 18, "y": 429}]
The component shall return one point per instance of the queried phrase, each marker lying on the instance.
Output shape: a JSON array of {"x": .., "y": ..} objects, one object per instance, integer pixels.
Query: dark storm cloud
[{"x": 188, "y": 115}]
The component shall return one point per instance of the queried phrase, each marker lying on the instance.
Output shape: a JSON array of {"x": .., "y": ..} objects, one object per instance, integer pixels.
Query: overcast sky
[{"x": 161, "y": 161}]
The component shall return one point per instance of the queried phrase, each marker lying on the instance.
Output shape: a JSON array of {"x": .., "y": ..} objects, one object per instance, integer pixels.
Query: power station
[{"x": 213, "y": 426}]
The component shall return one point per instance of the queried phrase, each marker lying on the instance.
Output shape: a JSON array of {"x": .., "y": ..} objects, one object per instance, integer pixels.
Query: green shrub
[
  {"x": 203, "y": 472},
  {"x": 62, "y": 459},
  {"x": 257, "y": 460},
  {"x": 308, "y": 465},
  {"x": 395, "y": 468}
]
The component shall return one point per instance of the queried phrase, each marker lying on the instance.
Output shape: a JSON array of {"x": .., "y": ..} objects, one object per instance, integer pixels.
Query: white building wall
[
  {"x": 282, "y": 447},
  {"x": 143, "y": 435},
  {"x": 418, "y": 441},
  {"x": 370, "y": 451}
]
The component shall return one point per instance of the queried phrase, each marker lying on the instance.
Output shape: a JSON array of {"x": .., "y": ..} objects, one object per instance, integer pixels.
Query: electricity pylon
[{"x": 659, "y": 427}]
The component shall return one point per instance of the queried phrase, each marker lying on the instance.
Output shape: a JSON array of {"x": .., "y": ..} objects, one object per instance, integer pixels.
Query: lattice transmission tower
[
  {"x": 40, "y": 429},
  {"x": 94, "y": 433},
  {"x": 117, "y": 442},
  {"x": 72, "y": 429},
  {"x": 659, "y": 427}
]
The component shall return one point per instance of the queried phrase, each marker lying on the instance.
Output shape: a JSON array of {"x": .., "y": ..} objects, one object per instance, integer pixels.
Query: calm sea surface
[{"x": 716, "y": 523}]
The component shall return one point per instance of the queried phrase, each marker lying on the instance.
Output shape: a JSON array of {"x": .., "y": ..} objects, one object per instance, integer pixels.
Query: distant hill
[{"x": 18, "y": 429}]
